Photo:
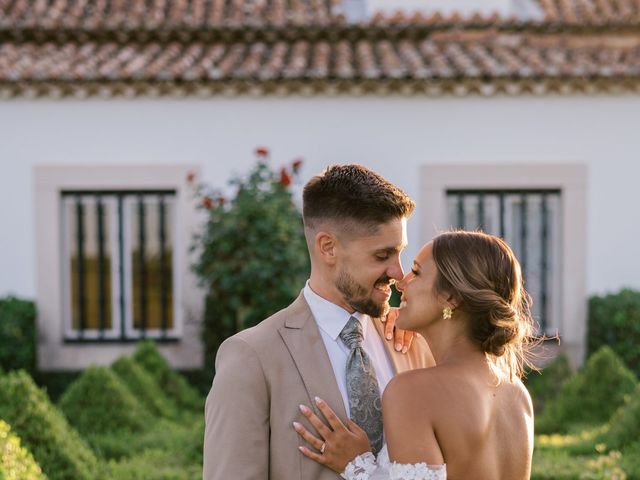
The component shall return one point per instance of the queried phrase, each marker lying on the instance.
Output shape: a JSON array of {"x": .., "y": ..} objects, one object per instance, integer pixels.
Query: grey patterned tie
[{"x": 362, "y": 385}]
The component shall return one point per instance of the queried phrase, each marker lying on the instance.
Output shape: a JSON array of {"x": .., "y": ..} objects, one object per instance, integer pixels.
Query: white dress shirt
[{"x": 331, "y": 319}]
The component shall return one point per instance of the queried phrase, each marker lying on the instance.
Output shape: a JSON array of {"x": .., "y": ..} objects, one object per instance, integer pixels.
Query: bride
[{"x": 470, "y": 416}]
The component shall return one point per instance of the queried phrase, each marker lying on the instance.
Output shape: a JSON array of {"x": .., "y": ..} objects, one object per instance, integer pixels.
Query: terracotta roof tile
[
  {"x": 127, "y": 15},
  {"x": 432, "y": 58},
  {"x": 470, "y": 53},
  {"x": 154, "y": 14}
]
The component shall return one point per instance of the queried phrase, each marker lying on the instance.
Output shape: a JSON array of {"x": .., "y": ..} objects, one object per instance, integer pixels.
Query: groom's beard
[{"x": 359, "y": 297}]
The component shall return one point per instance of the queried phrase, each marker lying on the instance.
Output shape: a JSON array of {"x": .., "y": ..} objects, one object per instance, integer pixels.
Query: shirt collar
[{"x": 330, "y": 317}]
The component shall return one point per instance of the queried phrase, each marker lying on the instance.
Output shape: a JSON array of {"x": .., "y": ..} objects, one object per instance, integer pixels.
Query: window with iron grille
[
  {"x": 529, "y": 220},
  {"x": 118, "y": 265}
]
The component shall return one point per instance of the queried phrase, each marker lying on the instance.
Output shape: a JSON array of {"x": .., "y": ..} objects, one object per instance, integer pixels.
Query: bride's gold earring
[{"x": 447, "y": 313}]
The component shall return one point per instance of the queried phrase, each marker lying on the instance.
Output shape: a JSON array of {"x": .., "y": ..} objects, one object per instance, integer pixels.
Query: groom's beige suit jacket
[{"x": 262, "y": 375}]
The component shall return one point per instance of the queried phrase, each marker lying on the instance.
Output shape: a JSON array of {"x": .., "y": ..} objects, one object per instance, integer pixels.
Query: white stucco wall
[{"x": 395, "y": 136}]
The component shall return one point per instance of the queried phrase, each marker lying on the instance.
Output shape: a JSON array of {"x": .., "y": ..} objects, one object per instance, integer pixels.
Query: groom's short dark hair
[{"x": 354, "y": 194}]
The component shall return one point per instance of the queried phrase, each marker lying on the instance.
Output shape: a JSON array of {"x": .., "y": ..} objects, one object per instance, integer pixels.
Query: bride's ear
[{"x": 453, "y": 301}]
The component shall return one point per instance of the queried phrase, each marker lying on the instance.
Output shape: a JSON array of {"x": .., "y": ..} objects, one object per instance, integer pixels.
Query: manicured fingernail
[
  {"x": 304, "y": 409},
  {"x": 319, "y": 401},
  {"x": 389, "y": 336},
  {"x": 297, "y": 426},
  {"x": 302, "y": 449},
  {"x": 398, "y": 347},
  {"x": 405, "y": 350}
]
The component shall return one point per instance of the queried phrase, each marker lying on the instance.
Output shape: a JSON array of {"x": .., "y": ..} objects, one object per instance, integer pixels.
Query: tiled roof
[
  {"x": 594, "y": 12},
  {"x": 161, "y": 14},
  {"x": 553, "y": 13},
  {"x": 150, "y": 15},
  {"x": 116, "y": 47}
]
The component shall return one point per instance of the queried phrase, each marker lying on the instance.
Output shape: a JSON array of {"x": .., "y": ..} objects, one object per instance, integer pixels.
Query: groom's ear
[{"x": 326, "y": 244}]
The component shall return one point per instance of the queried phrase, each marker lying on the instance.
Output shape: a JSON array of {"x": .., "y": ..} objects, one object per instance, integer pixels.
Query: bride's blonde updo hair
[{"x": 483, "y": 274}]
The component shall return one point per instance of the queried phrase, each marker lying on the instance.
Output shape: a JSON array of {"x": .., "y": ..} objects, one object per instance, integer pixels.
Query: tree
[{"x": 252, "y": 255}]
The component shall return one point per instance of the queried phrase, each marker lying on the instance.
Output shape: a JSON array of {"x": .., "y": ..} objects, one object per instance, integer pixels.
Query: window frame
[
  {"x": 509, "y": 201},
  {"x": 571, "y": 179},
  {"x": 55, "y": 353},
  {"x": 122, "y": 329}
]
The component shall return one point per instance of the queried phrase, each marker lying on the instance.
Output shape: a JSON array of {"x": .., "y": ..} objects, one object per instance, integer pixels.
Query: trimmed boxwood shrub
[
  {"x": 182, "y": 441},
  {"x": 55, "y": 383},
  {"x": 43, "y": 430},
  {"x": 17, "y": 334},
  {"x": 143, "y": 386},
  {"x": 624, "y": 426},
  {"x": 545, "y": 385},
  {"x": 174, "y": 385},
  {"x": 614, "y": 320},
  {"x": 99, "y": 402},
  {"x": 591, "y": 396},
  {"x": 631, "y": 460},
  {"x": 16, "y": 463}
]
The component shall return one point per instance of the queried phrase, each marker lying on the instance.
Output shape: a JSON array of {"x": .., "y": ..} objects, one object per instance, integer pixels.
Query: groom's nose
[{"x": 395, "y": 271}]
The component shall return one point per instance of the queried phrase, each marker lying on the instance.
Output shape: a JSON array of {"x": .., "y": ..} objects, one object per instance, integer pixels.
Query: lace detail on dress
[
  {"x": 365, "y": 467},
  {"x": 361, "y": 467}
]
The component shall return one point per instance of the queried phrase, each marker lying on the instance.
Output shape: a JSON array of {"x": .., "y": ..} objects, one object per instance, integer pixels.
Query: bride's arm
[
  {"x": 408, "y": 414},
  {"x": 346, "y": 449}
]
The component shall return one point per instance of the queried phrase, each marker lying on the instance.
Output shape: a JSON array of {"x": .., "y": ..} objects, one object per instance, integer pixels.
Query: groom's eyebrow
[
  {"x": 390, "y": 250},
  {"x": 396, "y": 249}
]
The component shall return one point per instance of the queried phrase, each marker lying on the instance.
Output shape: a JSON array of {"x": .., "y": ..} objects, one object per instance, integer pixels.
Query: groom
[{"x": 327, "y": 343}]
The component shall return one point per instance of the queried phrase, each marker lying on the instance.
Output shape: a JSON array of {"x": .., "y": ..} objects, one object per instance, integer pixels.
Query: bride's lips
[{"x": 403, "y": 302}]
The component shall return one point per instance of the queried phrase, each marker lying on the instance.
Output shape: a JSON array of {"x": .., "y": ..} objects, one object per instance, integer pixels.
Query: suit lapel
[{"x": 301, "y": 335}]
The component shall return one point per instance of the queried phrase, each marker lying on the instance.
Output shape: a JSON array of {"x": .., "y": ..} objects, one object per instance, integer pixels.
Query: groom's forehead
[{"x": 391, "y": 237}]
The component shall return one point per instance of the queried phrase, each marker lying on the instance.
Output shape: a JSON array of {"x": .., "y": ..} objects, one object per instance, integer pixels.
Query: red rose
[
  {"x": 297, "y": 163},
  {"x": 285, "y": 178},
  {"x": 221, "y": 201},
  {"x": 191, "y": 176},
  {"x": 262, "y": 152},
  {"x": 207, "y": 203}
]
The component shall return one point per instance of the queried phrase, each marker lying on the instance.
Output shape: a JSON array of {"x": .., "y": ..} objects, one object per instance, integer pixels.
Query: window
[
  {"x": 119, "y": 264},
  {"x": 529, "y": 220}
]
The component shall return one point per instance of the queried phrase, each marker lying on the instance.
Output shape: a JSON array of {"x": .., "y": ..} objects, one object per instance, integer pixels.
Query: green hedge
[
  {"x": 624, "y": 426},
  {"x": 181, "y": 441},
  {"x": 614, "y": 320},
  {"x": 545, "y": 385},
  {"x": 174, "y": 385},
  {"x": 43, "y": 430},
  {"x": 16, "y": 463},
  {"x": 591, "y": 396},
  {"x": 143, "y": 386},
  {"x": 558, "y": 465},
  {"x": 99, "y": 402},
  {"x": 17, "y": 334},
  {"x": 631, "y": 461}
]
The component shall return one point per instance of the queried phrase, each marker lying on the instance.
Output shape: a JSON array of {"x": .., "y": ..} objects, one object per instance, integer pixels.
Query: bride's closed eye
[{"x": 415, "y": 272}]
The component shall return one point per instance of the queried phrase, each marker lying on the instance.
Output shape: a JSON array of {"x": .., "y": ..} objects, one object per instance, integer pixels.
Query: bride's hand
[
  {"x": 342, "y": 443},
  {"x": 402, "y": 338}
]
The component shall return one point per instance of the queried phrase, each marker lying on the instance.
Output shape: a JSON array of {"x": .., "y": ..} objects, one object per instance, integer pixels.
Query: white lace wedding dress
[{"x": 366, "y": 467}]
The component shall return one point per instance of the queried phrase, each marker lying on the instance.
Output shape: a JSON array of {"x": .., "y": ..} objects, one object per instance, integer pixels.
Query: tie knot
[{"x": 351, "y": 334}]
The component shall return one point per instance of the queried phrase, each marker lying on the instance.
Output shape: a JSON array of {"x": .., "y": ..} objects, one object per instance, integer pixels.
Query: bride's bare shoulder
[
  {"x": 410, "y": 389},
  {"x": 409, "y": 413}
]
